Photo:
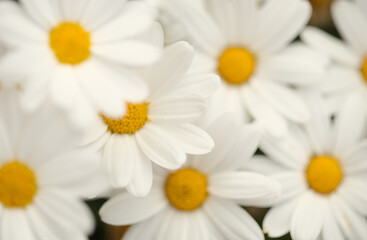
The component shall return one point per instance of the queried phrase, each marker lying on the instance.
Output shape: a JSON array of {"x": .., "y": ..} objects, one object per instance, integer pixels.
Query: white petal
[
  {"x": 243, "y": 185},
  {"x": 71, "y": 10},
  {"x": 231, "y": 220},
  {"x": 16, "y": 29},
  {"x": 350, "y": 124},
  {"x": 44, "y": 12},
  {"x": 263, "y": 112},
  {"x": 277, "y": 220},
  {"x": 201, "y": 29},
  {"x": 160, "y": 147},
  {"x": 63, "y": 86},
  {"x": 15, "y": 225},
  {"x": 178, "y": 108},
  {"x": 200, "y": 84},
  {"x": 293, "y": 184},
  {"x": 142, "y": 179},
  {"x": 5, "y": 147},
  {"x": 350, "y": 20},
  {"x": 146, "y": 229},
  {"x": 192, "y": 139},
  {"x": 125, "y": 209},
  {"x": 129, "y": 53},
  {"x": 168, "y": 72},
  {"x": 263, "y": 165},
  {"x": 331, "y": 230},
  {"x": 308, "y": 217},
  {"x": 137, "y": 17},
  {"x": 95, "y": 132},
  {"x": 284, "y": 99},
  {"x": 363, "y": 6},
  {"x": 354, "y": 160},
  {"x": 119, "y": 156},
  {"x": 280, "y": 22},
  {"x": 330, "y": 46},
  {"x": 352, "y": 191}
]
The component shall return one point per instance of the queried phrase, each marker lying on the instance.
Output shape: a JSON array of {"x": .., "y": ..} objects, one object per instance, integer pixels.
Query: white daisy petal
[
  {"x": 353, "y": 225},
  {"x": 142, "y": 179},
  {"x": 72, "y": 10},
  {"x": 349, "y": 124},
  {"x": 15, "y": 225},
  {"x": 354, "y": 160},
  {"x": 277, "y": 220},
  {"x": 192, "y": 139},
  {"x": 119, "y": 154},
  {"x": 231, "y": 220},
  {"x": 280, "y": 22},
  {"x": 308, "y": 217},
  {"x": 352, "y": 191},
  {"x": 178, "y": 108},
  {"x": 243, "y": 185},
  {"x": 125, "y": 209},
  {"x": 146, "y": 229},
  {"x": 96, "y": 131},
  {"x": 16, "y": 30},
  {"x": 45, "y": 13},
  {"x": 160, "y": 147},
  {"x": 293, "y": 184},
  {"x": 263, "y": 113},
  {"x": 63, "y": 87},
  {"x": 263, "y": 165},
  {"x": 136, "y": 18},
  {"x": 200, "y": 28},
  {"x": 363, "y": 5},
  {"x": 284, "y": 100},
  {"x": 130, "y": 53},
  {"x": 331, "y": 230},
  {"x": 5, "y": 145},
  {"x": 350, "y": 20},
  {"x": 154, "y": 35},
  {"x": 178, "y": 227},
  {"x": 333, "y": 47},
  {"x": 200, "y": 84},
  {"x": 71, "y": 213}
]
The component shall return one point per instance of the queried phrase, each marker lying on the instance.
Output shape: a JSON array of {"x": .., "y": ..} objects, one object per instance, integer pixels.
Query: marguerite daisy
[
  {"x": 159, "y": 128},
  {"x": 322, "y": 168},
  {"x": 348, "y": 71},
  {"x": 200, "y": 200},
  {"x": 77, "y": 53},
  {"x": 247, "y": 45},
  {"x": 43, "y": 177}
]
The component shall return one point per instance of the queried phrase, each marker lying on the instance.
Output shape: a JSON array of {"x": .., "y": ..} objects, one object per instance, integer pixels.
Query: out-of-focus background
[{"x": 321, "y": 18}]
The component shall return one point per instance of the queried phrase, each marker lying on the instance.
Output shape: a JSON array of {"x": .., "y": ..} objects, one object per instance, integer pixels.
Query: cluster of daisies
[{"x": 162, "y": 106}]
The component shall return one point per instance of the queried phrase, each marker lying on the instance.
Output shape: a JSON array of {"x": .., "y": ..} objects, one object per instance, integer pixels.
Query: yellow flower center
[
  {"x": 70, "y": 43},
  {"x": 324, "y": 174},
  {"x": 17, "y": 185},
  {"x": 186, "y": 189},
  {"x": 236, "y": 65},
  {"x": 135, "y": 118},
  {"x": 364, "y": 70}
]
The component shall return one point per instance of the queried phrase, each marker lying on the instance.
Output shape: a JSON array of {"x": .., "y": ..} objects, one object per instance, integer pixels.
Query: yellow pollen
[
  {"x": 17, "y": 185},
  {"x": 70, "y": 43},
  {"x": 236, "y": 65},
  {"x": 135, "y": 118},
  {"x": 186, "y": 189},
  {"x": 364, "y": 70},
  {"x": 324, "y": 174}
]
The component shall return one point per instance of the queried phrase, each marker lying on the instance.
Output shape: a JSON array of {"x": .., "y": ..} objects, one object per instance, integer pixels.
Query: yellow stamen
[
  {"x": 186, "y": 189},
  {"x": 136, "y": 117},
  {"x": 236, "y": 65},
  {"x": 17, "y": 185},
  {"x": 364, "y": 70},
  {"x": 70, "y": 43},
  {"x": 324, "y": 174}
]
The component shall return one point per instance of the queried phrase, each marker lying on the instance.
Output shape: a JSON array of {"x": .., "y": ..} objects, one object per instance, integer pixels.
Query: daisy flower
[
  {"x": 159, "y": 128},
  {"x": 247, "y": 44},
  {"x": 322, "y": 169},
  {"x": 348, "y": 70},
  {"x": 76, "y": 53},
  {"x": 200, "y": 200},
  {"x": 43, "y": 177}
]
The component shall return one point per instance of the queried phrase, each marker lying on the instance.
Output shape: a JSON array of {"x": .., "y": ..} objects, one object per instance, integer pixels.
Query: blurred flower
[
  {"x": 77, "y": 53},
  {"x": 159, "y": 128},
  {"x": 322, "y": 169},
  {"x": 200, "y": 200},
  {"x": 248, "y": 46},
  {"x": 348, "y": 70},
  {"x": 43, "y": 177}
]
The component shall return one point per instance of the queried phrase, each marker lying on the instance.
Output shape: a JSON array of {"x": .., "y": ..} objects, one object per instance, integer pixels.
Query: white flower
[
  {"x": 76, "y": 53},
  {"x": 322, "y": 168},
  {"x": 43, "y": 177},
  {"x": 159, "y": 128},
  {"x": 348, "y": 70},
  {"x": 200, "y": 200},
  {"x": 247, "y": 45}
]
